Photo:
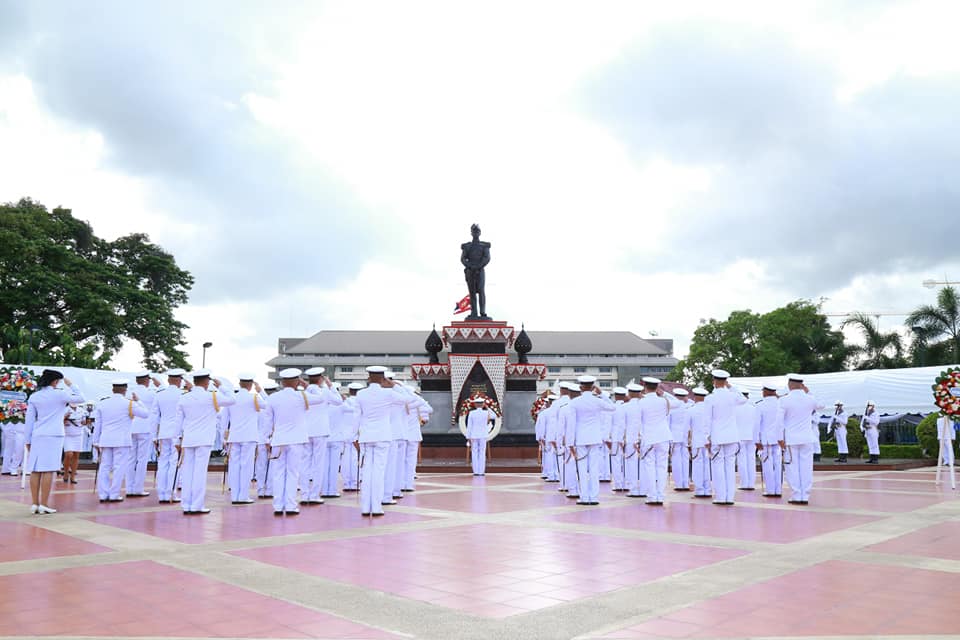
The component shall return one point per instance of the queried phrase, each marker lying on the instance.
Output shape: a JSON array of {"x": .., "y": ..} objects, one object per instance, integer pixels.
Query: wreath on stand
[
  {"x": 946, "y": 393},
  {"x": 488, "y": 403},
  {"x": 538, "y": 405},
  {"x": 16, "y": 385}
]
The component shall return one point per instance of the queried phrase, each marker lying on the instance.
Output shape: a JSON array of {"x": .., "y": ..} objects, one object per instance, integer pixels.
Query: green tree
[
  {"x": 936, "y": 321},
  {"x": 77, "y": 296},
  {"x": 881, "y": 349},
  {"x": 795, "y": 337}
]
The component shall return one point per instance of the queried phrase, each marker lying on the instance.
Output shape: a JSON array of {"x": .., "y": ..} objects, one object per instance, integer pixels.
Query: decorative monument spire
[
  {"x": 434, "y": 345},
  {"x": 522, "y": 345}
]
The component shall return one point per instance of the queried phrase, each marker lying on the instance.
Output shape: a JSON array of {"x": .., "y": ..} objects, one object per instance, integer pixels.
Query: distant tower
[
  {"x": 522, "y": 345},
  {"x": 434, "y": 345}
]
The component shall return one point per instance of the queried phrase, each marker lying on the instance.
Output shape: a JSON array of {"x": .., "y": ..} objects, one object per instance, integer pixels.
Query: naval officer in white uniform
[
  {"x": 478, "y": 426},
  {"x": 680, "y": 441},
  {"x": 165, "y": 422},
  {"x": 263, "y": 474},
  {"x": 587, "y": 449},
  {"x": 870, "y": 425},
  {"x": 112, "y": 436},
  {"x": 655, "y": 407},
  {"x": 318, "y": 430},
  {"x": 376, "y": 403},
  {"x": 142, "y": 437},
  {"x": 699, "y": 438},
  {"x": 724, "y": 437},
  {"x": 798, "y": 439},
  {"x": 633, "y": 430},
  {"x": 747, "y": 454},
  {"x": 242, "y": 435},
  {"x": 838, "y": 424},
  {"x": 770, "y": 432}
]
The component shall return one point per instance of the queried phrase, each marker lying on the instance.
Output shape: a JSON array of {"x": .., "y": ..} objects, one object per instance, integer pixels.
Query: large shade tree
[
  {"x": 940, "y": 321},
  {"x": 69, "y": 297}
]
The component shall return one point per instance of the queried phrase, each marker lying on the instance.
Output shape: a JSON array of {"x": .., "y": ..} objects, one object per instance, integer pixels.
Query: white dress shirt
[{"x": 113, "y": 420}]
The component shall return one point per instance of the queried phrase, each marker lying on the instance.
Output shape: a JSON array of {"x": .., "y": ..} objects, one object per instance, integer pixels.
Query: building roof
[{"x": 335, "y": 342}]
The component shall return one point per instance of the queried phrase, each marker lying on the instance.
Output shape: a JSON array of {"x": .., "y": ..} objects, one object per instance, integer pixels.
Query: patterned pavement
[{"x": 876, "y": 553}]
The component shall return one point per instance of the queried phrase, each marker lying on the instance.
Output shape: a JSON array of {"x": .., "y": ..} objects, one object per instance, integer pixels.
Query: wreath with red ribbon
[
  {"x": 16, "y": 386},
  {"x": 538, "y": 405},
  {"x": 946, "y": 393},
  {"x": 488, "y": 403}
]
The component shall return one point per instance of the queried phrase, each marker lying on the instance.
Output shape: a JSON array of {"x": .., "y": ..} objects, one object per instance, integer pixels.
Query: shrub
[
  {"x": 911, "y": 451},
  {"x": 927, "y": 436},
  {"x": 855, "y": 440}
]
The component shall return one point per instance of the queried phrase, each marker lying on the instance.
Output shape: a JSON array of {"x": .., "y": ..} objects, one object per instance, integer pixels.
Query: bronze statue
[{"x": 474, "y": 256}]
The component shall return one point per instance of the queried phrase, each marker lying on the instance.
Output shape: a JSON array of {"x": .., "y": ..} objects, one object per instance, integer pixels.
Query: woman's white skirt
[
  {"x": 45, "y": 453},
  {"x": 73, "y": 443}
]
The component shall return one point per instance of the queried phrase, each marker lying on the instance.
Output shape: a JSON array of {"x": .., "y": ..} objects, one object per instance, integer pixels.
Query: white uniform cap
[
  {"x": 720, "y": 374},
  {"x": 389, "y": 375},
  {"x": 143, "y": 373},
  {"x": 376, "y": 369},
  {"x": 479, "y": 400},
  {"x": 620, "y": 391},
  {"x": 794, "y": 377},
  {"x": 356, "y": 386},
  {"x": 119, "y": 382},
  {"x": 838, "y": 402},
  {"x": 270, "y": 384},
  {"x": 770, "y": 387},
  {"x": 569, "y": 386},
  {"x": 587, "y": 379},
  {"x": 870, "y": 404},
  {"x": 633, "y": 386},
  {"x": 680, "y": 391},
  {"x": 175, "y": 373},
  {"x": 201, "y": 373},
  {"x": 289, "y": 374},
  {"x": 246, "y": 375},
  {"x": 700, "y": 391},
  {"x": 745, "y": 392},
  {"x": 552, "y": 397},
  {"x": 650, "y": 380},
  {"x": 315, "y": 371}
]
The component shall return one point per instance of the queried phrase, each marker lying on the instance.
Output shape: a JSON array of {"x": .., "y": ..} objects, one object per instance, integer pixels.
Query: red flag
[{"x": 463, "y": 306}]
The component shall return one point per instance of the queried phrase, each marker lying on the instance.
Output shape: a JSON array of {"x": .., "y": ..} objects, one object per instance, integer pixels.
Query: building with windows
[{"x": 614, "y": 357}]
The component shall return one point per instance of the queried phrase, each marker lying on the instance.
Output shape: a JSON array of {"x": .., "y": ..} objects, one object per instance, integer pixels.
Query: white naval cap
[
  {"x": 270, "y": 384},
  {"x": 119, "y": 382},
  {"x": 175, "y": 373},
  {"x": 143, "y": 373},
  {"x": 700, "y": 391},
  {"x": 479, "y": 400},
  {"x": 315, "y": 371},
  {"x": 376, "y": 369},
  {"x": 587, "y": 379},
  {"x": 838, "y": 402},
  {"x": 552, "y": 396},
  {"x": 633, "y": 386},
  {"x": 745, "y": 392},
  {"x": 870, "y": 403},
  {"x": 619, "y": 391},
  {"x": 680, "y": 391},
  {"x": 288, "y": 374},
  {"x": 356, "y": 386},
  {"x": 650, "y": 380},
  {"x": 720, "y": 374},
  {"x": 770, "y": 386},
  {"x": 794, "y": 377},
  {"x": 245, "y": 375},
  {"x": 201, "y": 373},
  {"x": 569, "y": 386}
]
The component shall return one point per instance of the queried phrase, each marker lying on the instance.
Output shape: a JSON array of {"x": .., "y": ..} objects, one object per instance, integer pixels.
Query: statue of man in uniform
[{"x": 474, "y": 256}]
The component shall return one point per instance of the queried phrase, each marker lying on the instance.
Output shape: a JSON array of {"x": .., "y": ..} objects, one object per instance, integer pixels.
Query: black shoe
[
  {"x": 573, "y": 497},
  {"x": 594, "y": 503},
  {"x": 746, "y": 488},
  {"x": 605, "y": 481},
  {"x": 681, "y": 488},
  {"x": 278, "y": 513},
  {"x": 202, "y": 512},
  {"x": 159, "y": 501},
  {"x": 583, "y": 503},
  {"x": 377, "y": 514},
  {"x": 362, "y": 513},
  {"x": 331, "y": 495},
  {"x": 816, "y": 457},
  {"x": 655, "y": 503}
]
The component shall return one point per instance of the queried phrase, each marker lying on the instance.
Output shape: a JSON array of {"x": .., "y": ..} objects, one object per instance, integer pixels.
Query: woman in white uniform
[
  {"x": 72, "y": 442},
  {"x": 43, "y": 434}
]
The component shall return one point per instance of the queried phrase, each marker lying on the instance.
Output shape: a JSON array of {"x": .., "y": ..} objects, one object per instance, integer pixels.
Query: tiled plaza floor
[{"x": 503, "y": 556}]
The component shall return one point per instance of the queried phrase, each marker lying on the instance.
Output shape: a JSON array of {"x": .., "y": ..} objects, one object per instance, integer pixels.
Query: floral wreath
[
  {"x": 538, "y": 405},
  {"x": 467, "y": 406},
  {"x": 946, "y": 393},
  {"x": 18, "y": 381}
]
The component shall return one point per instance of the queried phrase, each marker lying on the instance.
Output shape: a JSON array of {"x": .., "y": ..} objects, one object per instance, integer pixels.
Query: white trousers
[
  {"x": 841, "y": 435},
  {"x": 723, "y": 467},
  {"x": 700, "y": 471},
  {"x": 616, "y": 461},
  {"x": 606, "y": 465},
  {"x": 816, "y": 444},
  {"x": 390, "y": 476},
  {"x": 166, "y": 469},
  {"x": 240, "y": 470},
  {"x": 313, "y": 467},
  {"x": 946, "y": 452},
  {"x": 373, "y": 471},
  {"x": 654, "y": 457},
  {"x": 114, "y": 462},
  {"x": 12, "y": 448},
  {"x": 631, "y": 471},
  {"x": 873, "y": 441},
  {"x": 137, "y": 464},
  {"x": 799, "y": 470},
  {"x": 193, "y": 472},
  {"x": 478, "y": 455},
  {"x": 747, "y": 464},
  {"x": 331, "y": 479},
  {"x": 348, "y": 467},
  {"x": 549, "y": 468},
  {"x": 680, "y": 463},
  {"x": 285, "y": 466},
  {"x": 590, "y": 463},
  {"x": 570, "y": 473},
  {"x": 400, "y": 470},
  {"x": 261, "y": 469},
  {"x": 410, "y": 465},
  {"x": 771, "y": 462}
]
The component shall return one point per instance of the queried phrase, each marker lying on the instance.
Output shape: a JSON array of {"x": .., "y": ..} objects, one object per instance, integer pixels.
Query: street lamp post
[
  {"x": 206, "y": 345},
  {"x": 931, "y": 284}
]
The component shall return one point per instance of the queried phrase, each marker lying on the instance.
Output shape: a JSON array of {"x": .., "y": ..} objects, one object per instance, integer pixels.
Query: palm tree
[
  {"x": 877, "y": 344},
  {"x": 943, "y": 319}
]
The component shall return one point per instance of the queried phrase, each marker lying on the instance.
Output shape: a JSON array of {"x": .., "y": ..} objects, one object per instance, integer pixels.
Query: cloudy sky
[{"x": 636, "y": 166}]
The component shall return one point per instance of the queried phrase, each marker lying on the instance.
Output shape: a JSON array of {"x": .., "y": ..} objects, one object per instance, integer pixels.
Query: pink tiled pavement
[
  {"x": 86, "y": 501},
  {"x": 26, "y": 542},
  {"x": 937, "y": 541},
  {"x": 480, "y": 501},
  {"x": 884, "y": 484},
  {"x": 149, "y": 599},
  {"x": 491, "y": 570},
  {"x": 234, "y": 522},
  {"x": 876, "y": 501},
  {"x": 707, "y": 519},
  {"x": 833, "y": 598}
]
